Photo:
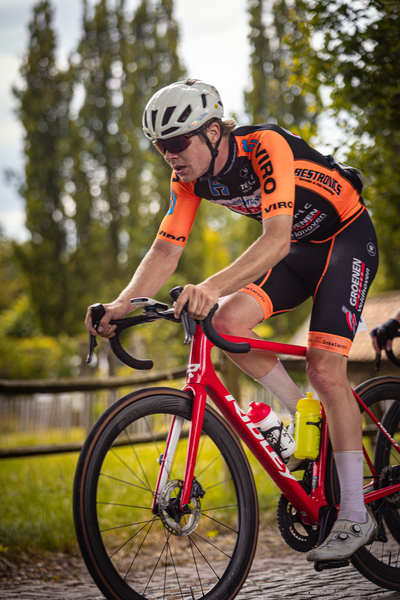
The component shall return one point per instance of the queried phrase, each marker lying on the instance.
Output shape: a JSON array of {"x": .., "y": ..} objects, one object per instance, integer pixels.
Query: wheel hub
[{"x": 178, "y": 521}]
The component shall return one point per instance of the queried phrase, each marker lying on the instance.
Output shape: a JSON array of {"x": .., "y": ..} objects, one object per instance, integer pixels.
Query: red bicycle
[{"x": 165, "y": 503}]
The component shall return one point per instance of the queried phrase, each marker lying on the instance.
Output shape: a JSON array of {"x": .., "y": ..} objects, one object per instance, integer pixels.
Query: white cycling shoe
[{"x": 345, "y": 538}]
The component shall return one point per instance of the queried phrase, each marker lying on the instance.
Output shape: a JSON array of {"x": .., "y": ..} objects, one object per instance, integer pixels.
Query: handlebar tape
[
  {"x": 115, "y": 343},
  {"x": 98, "y": 313},
  {"x": 218, "y": 340}
]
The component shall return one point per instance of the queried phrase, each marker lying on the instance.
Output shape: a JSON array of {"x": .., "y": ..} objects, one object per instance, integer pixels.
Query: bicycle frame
[{"x": 202, "y": 381}]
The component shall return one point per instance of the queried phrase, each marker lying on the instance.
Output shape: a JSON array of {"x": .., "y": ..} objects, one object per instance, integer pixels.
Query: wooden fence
[
  {"x": 64, "y": 404},
  {"x": 41, "y": 404}
]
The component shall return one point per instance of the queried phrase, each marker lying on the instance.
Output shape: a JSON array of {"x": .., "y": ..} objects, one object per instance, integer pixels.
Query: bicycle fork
[{"x": 166, "y": 459}]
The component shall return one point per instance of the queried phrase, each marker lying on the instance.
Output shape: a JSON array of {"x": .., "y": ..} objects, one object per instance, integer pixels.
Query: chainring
[
  {"x": 390, "y": 475},
  {"x": 296, "y": 534}
]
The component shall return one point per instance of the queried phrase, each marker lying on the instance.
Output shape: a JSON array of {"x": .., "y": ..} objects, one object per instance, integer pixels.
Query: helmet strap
[{"x": 214, "y": 154}]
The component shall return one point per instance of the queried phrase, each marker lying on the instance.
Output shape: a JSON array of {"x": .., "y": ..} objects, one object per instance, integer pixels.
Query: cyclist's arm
[
  {"x": 153, "y": 272},
  {"x": 271, "y": 247}
]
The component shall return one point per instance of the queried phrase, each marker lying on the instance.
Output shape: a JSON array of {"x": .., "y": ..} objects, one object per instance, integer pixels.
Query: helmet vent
[
  {"x": 167, "y": 115},
  {"x": 204, "y": 100},
  {"x": 185, "y": 114},
  {"x": 169, "y": 131},
  {"x": 153, "y": 118}
]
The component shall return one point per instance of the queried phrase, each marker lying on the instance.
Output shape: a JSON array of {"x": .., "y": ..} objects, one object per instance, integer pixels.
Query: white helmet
[{"x": 180, "y": 108}]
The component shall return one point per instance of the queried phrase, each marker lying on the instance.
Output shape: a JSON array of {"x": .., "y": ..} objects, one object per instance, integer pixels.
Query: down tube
[{"x": 270, "y": 461}]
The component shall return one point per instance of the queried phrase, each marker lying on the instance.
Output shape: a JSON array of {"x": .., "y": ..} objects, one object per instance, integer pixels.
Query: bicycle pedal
[{"x": 331, "y": 564}]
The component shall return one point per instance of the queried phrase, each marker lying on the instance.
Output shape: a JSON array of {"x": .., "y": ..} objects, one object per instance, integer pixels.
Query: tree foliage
[
  {"x": 94, "y": 191},
  {"x": 280, "y": 91},
  {"x": 358, "y": 58}
]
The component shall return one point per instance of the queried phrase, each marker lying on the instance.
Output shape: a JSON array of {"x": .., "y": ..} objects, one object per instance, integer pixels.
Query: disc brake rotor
[{"x": 180, "y": 522}]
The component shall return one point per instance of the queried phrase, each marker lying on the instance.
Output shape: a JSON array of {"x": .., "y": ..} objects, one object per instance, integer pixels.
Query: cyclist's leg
[
  {"x": 338, "y": 303},
  {"x": 237, "y": 315},
  {"x": 242, "y": 311},
  {"x": 279, "y": 290},
  {"x": 327, "y": 374}
]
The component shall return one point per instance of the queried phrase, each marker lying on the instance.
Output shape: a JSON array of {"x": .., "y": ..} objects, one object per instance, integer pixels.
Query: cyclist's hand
[
  {"x": 383, "y": 335},
  {"x": 114, "y": 310},
  {"x": 199, "y": 298}
]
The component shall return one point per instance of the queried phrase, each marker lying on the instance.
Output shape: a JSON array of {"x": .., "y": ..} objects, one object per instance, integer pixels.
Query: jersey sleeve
[
  {"x": 273, "y": 163},
  {"x": 183, "y": 206}
]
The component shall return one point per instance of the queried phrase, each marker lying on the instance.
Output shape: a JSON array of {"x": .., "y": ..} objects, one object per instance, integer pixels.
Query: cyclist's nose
[{"x": 168, "y": 154}]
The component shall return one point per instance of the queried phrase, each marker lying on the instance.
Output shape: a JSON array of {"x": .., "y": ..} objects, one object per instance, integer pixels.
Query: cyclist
[
  {"x": 316, "y": 240},
  {"x": 387, "y": 331}
]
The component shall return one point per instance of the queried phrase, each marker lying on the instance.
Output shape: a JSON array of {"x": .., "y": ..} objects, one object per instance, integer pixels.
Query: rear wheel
[
  {"x": 380, "y": 561},
  {"x": 131, "y": 553}
]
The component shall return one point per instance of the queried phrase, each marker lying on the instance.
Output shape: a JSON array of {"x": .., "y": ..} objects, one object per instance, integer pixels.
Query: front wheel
[{"x": 133, "y": 553}]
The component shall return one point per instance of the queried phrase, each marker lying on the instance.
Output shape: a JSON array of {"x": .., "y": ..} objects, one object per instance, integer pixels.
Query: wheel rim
[{"x": 151, "y": 555}]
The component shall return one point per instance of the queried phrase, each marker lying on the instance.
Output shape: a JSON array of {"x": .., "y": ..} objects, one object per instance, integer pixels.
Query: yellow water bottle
[{"x": 307, "y": 431}]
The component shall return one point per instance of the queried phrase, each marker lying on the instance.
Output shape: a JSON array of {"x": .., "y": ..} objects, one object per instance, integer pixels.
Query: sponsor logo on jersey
[
  {"x": 319, "y": 179},
  {"x": 265, "y": 164},
  {"x": 248, "y": 185},
  {"x": 278, "y": 206},
  {"x": 172, "y": 202},
  {"x": 249, "y": 145},
  {"x": 308, "y": 224},
  {"x": 218, "y": 189},
  {"x": 169, "y": 236},
  {"x": 371, "y": 249}
]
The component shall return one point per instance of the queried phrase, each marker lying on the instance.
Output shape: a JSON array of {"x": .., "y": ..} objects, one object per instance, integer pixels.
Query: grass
[
  {"x": 36, "y": 502},
  {"x": 42, "y": 438}
]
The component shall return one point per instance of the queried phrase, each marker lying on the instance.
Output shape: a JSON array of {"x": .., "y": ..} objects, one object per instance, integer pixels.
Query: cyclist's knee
[
  {"x": 226, "y": 320},
  {"x": 237, "y": 315},
  {"x": 325, "y": 370}
]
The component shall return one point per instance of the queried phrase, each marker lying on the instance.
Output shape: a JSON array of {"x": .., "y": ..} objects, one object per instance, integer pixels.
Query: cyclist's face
[{"x": 193, "y": 162}]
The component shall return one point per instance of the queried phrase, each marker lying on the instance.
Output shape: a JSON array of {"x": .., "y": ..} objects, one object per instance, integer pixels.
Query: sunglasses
[
  {"x": 175, "y": 145},
  {"x": 179, "y": 143}
]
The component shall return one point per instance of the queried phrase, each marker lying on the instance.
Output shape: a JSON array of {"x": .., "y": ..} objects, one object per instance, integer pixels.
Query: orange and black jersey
[{"x": 270, "y": 172}]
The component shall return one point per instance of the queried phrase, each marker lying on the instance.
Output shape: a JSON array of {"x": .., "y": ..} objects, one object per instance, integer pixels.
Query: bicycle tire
[
  {"x": 128, "y": 550},
  {"x": 379, "y": 561}
]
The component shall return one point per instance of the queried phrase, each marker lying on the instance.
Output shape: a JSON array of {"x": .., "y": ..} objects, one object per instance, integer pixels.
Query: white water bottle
[{"x": 272, "y": 429}]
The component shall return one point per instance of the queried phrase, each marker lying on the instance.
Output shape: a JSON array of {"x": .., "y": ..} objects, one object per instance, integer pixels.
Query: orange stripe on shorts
[{"x": 327, "y": 341}]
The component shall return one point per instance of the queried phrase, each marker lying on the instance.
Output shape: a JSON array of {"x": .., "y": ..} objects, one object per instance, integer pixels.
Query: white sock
[
  {"x": 280, "y": 384},
  {"x": 349, "y": 466}
]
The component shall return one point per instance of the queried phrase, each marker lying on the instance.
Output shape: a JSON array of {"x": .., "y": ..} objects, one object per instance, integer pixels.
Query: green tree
[
  {"x": 95, "y": 192},
  {"x": 43, "y": 111},
  {"x": 152, "y": 62},
  {"x": 358, "y": 58},
  {"x": 96, "y": 170},
  {"x": 280, "y": 92}
]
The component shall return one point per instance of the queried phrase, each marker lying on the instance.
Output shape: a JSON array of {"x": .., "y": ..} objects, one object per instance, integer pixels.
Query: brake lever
[
  {"x": 189, "y": 324},
  {"x": 98, "y": 312}
]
